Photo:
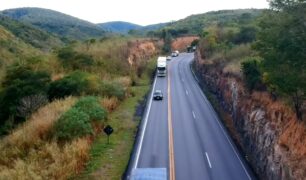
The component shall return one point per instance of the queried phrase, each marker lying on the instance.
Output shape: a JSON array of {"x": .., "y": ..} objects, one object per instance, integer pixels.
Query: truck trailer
[{"x": 161, "y": 66}]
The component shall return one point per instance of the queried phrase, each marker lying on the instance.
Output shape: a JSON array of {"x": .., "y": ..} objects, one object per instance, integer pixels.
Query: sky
[{"x": 140, "y": 12}]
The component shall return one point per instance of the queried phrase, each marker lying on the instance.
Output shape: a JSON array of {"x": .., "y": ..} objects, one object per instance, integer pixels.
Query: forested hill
[
  {"x": 195, "y": 24},
  {"x": 119, "y": 26},
  {"x": 29, "y": 34},
  {"x": 55, "y": 22}
]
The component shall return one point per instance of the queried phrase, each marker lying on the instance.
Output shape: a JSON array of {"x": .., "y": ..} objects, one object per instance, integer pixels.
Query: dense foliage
[
  {"x": 77, "y": 121},
  {"x": 57, "y": 23},
  {"x": 91, "y": 106},
  {"x": 72, "y": 124},
  {"x": 30, "y": 34},
  {"x": 251, "y": 72},
  {"x": 281, "y": 42},
  {"x": 21, "y": 82}
]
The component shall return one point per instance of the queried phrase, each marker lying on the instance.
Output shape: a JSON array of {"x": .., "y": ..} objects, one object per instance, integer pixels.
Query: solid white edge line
[
  {"x": 208, "y": 159},
  {"x": 193, "y": 114},
  {"x": 246, "y": 172},
  {"x": 145, "y": 125},
  {"x": 186, "y": 92}
]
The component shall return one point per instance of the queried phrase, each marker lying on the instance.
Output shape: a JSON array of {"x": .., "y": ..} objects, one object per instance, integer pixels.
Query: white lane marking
[
  {"x": 145, "y": 126},
  {"x": 186, "y": 92},
  {"x": 193, "y": 114},
  {"x": 208, "y": 159},
  {"x": 212, "y": 109}
]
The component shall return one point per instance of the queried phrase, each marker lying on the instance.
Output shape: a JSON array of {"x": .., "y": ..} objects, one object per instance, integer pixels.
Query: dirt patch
[{"x": 181, "y": 43}]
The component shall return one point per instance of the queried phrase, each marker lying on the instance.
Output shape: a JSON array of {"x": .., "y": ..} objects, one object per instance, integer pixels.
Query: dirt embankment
[
  {"x": 269, "y": 133},
  {"x": 140, "y": 50},
  {"x": 181, "y": 43}
]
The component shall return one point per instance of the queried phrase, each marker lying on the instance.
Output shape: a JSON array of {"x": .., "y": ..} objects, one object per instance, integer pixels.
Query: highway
[{"x": 183, "y": 134}]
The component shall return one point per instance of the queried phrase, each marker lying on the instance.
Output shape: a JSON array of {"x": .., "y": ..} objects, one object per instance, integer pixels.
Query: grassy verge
[{"x": 109, "y": 161}]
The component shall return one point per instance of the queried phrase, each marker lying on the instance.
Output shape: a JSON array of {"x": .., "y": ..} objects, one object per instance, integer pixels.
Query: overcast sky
[{"x": 141, "y": 12}]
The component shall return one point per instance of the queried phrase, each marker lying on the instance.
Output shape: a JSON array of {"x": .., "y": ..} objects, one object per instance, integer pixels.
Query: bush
[
  {"x": 72, "y": 124},
  {"x": 73, "y": 59},
  {"x": 73, "y": 84},
  {"x": 113, "y": 89},
  {"x": 19, "y": 83},
  {"x": 252, "y": 74},
  {"x": 90, "y": 105}
]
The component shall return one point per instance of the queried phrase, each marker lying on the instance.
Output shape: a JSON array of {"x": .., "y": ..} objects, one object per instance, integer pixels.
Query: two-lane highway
[{"x": 183, "y": 134}]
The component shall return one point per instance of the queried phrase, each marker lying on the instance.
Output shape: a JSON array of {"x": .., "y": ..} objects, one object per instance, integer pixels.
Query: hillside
[
  {"x": 29, "y": 34},
  {"x": 55, "y": 22},
  {"x": 195, "y": 23},
  {"x": 119, "y": 26}
]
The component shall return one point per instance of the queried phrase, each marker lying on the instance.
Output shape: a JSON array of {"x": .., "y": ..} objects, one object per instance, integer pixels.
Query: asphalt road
[{"x": 201, "y": 148}]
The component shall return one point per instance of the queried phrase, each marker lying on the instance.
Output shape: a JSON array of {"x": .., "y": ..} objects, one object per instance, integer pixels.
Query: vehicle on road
[
  {"x": 175, "y": 53},
  {"x": 158, "y": 95},
  {"x": 169, "y": 58},
  {"x": 161, "y": 66}
]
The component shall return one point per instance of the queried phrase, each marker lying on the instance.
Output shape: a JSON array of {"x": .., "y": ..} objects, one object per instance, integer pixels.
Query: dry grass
[
  {"x": 38, "y": 126},
  {"x": 48, "y": 161},
  {"x": 28, "y": 154},
  {"x": 110, "y": 103}
]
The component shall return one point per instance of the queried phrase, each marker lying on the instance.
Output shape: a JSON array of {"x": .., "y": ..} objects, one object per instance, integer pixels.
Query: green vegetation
[
  {"x": 77, "y": 121},
  {"x": 196, "y": 23},
  {"x": 251, "y": 72},
  {"x": 91, "y": 106},
  {"x": 108, "y": 160},
  {"x": 119, "y": 27},
  {"x": 21, "y": 83},
  {"x": 72, "y": 124},
  {"x": 268, "y": 49},
  {"x": 75, "y": 84},
  {"x": 281, "y": 43},
  {"x": 29, "y": 34},
  {"x": 65, "y": 26}
]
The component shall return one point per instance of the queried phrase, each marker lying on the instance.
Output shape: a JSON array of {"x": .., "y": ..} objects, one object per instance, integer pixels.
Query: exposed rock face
[
  {"x": 140, "y": 50},
  {"x": 271, "y": 136},
  {"x": 181, "y": 43}
]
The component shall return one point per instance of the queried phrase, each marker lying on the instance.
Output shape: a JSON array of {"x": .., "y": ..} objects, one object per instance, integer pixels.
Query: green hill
[
  {"x": 195, "y": 23},
  {"x": 119, "y": 26},
  {"x": 55, "y": 22},
  {"x": 29, "y": 34}
]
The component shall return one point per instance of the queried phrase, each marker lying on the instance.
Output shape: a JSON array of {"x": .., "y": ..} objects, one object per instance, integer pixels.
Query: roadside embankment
[{"x": 267, "y": 130}]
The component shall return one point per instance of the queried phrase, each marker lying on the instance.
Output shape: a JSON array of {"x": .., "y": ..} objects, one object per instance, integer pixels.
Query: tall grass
[
  {"x": 48, "y": 161},
  {"x": 28, "y": 152}
]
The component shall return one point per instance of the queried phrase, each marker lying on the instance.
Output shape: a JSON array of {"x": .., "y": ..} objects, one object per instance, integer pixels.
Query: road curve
[{"x": 202, "y": 148}]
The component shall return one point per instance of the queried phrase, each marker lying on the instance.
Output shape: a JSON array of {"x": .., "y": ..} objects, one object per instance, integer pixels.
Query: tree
[
  {"x": 21, "y": 82},
  {"x": 281, "y": 42}
]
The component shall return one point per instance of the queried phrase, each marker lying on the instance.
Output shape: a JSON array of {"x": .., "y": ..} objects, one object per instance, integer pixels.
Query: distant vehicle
[
  {"x": 169, "y": 58},
  {"x": 191, "y": 49},
  {"x": 158, "y": 95},
  {"x": 161, "y": 66},
  {"x": 175, "y": 53}
]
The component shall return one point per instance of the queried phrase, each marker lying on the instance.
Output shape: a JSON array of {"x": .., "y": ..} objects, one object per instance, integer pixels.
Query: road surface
[{"x": 183, "y": 134}]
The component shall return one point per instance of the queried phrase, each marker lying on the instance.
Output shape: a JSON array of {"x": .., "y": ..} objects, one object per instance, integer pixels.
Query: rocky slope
[{"x": 268, "y": 131}]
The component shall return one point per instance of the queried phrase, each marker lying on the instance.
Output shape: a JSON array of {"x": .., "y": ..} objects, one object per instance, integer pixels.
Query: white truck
[{"x": 161, "y": 66}]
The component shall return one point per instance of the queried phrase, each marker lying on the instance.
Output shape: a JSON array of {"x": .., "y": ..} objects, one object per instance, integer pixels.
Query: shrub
[
  {"x": 251, "y": 73},
  {"x": 72, "y": 124},
  {"x": 73, "y": 84},
  {"x": 19, "y": 83},
  {"x": 90, "y": 105},
  {"x": 113, "y": 89},
  {"x": 73, "y": 59}
]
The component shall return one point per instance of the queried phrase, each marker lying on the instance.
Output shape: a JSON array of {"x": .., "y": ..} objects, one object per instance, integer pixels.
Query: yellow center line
[{"x": 171, "y": 151}]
